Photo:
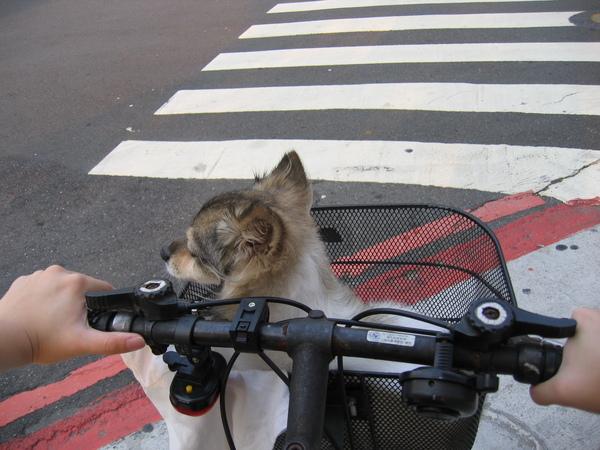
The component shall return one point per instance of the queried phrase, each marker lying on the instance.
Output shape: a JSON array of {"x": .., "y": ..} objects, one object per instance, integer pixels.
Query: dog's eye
[{"x": 200, "y": 258}]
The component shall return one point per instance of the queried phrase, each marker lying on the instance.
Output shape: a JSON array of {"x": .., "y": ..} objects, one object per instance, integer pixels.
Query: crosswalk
[{"x": 297, "y": 72}]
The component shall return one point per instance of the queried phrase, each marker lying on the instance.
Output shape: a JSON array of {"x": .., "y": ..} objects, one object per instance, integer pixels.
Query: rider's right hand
[{"x": 577, "y": 383}]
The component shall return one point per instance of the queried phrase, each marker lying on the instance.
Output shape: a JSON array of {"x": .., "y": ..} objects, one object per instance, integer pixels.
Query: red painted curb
[
  {"x": 507, "y": 206},
  {"x": 546, "y": 228},
  {"x": 106, "y": 420},
  {"x": 27, "y": 402}
]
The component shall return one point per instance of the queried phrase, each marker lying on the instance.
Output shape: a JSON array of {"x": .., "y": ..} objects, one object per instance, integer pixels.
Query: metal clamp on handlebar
[
  {"x": 251, "y": 313},
  {"x": 441, "y": 392}
]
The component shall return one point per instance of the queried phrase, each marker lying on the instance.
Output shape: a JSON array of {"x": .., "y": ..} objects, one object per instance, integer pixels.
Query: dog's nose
[{"x": 165, "y": 253}]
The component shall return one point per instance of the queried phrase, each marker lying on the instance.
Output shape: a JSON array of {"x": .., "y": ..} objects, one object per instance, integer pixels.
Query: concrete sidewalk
[{"x": 551, "y": 281}]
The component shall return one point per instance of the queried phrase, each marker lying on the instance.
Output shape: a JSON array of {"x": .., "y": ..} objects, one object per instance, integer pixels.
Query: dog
[
  {"x": 257, "y": 242},
  {"x": 263, "y": 242}
]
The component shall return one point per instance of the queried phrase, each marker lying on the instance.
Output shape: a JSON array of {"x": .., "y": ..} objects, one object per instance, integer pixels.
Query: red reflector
[{"x": 189, "y": 412}]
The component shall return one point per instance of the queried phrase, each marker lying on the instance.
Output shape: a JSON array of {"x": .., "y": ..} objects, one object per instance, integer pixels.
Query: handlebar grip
[
  {"x": 528, "y": 360},
  {"x": 538, "y": 361},
  {"x": 101, "y": 320}
]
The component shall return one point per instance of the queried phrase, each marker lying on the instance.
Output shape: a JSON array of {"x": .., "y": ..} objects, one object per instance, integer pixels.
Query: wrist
[{"x": 16, "y": 349}]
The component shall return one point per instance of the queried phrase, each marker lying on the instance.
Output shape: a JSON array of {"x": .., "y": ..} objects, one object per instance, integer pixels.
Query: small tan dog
[
  {"x": 263, "y": 242},
  {"x": 259, "y": 242}
]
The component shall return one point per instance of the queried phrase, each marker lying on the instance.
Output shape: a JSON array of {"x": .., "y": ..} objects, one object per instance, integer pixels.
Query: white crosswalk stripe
[
  {"x": 274, "y": 68},
  {"x": 404, "y": 23},
  {"x": 533, "y": 99},
  {"x": 406, "y": 54},
  {"x": 320, "y": 5},
  {"x": 495, "y": 168}
]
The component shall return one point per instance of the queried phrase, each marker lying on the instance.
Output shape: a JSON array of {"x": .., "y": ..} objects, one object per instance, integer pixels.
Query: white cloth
[{"x": 257, "y": 403}]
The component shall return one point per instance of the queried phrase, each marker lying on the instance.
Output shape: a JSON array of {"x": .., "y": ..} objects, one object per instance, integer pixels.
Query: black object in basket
[{"x": 435, "y": 258}]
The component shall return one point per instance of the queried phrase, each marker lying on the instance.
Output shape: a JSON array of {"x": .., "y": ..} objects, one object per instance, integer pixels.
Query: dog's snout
[{"x": 165, "y": 253}]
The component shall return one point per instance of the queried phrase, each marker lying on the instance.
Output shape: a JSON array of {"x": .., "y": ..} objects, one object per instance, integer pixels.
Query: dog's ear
[
  {"x": 257, "y": 235},
  {"x": 259, "y": 230},
  {"x": 291, "y": 169},
  {"x": 288, "y": 182}
]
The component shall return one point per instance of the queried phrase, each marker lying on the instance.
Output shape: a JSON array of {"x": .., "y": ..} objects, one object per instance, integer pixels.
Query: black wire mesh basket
[{"x": 437, "y": 259}]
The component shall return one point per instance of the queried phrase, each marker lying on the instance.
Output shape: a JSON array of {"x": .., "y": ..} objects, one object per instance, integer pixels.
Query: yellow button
[{"x": 189, "y": 388}]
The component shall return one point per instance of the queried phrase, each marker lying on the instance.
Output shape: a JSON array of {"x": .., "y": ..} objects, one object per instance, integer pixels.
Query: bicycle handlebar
[
  {"x": 488, "y": 341},
  {"x": 528, "y": 359}
]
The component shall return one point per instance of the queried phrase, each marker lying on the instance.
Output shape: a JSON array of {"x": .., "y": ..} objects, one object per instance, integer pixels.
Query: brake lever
[
  {"x": 490, "y": 321},
  {"x": 153, "y": 300}
]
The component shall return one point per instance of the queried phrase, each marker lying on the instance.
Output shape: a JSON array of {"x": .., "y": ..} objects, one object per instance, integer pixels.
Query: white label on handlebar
[{"x": 405, "y": 340}]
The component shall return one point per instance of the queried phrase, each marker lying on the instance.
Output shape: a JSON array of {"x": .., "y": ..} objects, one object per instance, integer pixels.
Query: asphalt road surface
[
  {"x": 80, "y": 79},
  {"x": 75, "y": 76}
]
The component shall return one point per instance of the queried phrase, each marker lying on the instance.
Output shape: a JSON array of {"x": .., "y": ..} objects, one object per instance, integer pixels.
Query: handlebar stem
[{"x": 309, "y": 345}]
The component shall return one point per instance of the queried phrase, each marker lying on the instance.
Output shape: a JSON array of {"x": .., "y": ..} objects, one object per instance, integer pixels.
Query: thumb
[
  {"x": 104, "y": 343},
  {"x": 541, "y": 394}
]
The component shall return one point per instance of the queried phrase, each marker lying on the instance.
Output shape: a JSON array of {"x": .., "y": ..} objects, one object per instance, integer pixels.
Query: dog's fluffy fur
[{"x": 263, "y": 242}]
